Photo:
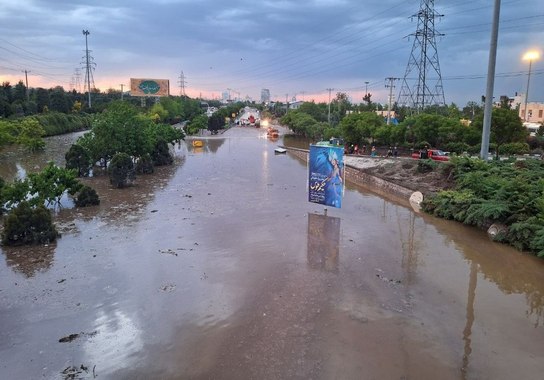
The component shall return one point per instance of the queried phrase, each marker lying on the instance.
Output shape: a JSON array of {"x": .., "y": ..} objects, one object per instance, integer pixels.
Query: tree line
[{"x": 447, "y": 128}]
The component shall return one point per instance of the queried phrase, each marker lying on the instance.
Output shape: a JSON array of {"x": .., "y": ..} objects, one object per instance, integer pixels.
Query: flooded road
[{"x": 219, "y": 268}]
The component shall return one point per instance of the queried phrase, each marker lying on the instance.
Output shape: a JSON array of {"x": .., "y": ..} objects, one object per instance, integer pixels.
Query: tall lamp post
[{"x": 529, "y": 56}]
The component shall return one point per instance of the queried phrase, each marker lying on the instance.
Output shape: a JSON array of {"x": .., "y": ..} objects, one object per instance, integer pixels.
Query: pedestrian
[
  {"x": 356, "y": 149},
  {"x": 364, "y": 149},
  {"x": 373, "y": 152},
  {"x": 390, "y": 152},
  {"x": 395, "y": 152}
]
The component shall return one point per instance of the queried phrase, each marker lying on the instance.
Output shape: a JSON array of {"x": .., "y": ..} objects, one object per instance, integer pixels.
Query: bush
[
  {"x": 426, "y": 166},
  {"x": 121, "y": 170},
  {"x": 144, "y": 165},
  {"x": 87, "y": 196},
  {"x": 27, "y": 225},
  {"x": 514, "y": 148}
]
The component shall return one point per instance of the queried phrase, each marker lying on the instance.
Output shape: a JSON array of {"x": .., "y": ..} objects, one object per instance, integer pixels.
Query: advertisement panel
[
  {"x": 326, "y": 175},
  {"x": 149, "y": 87}
]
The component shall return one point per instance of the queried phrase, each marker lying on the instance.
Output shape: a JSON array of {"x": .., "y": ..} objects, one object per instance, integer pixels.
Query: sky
[{"x": 296, "y": 49}]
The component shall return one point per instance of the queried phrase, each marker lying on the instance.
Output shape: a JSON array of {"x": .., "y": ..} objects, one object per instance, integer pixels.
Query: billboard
[
  {"x": 326, "y": 175},
  {"x": 149, "y": 87}
]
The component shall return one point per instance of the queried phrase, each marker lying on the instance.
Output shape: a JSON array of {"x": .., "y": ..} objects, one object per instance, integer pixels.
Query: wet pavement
[{"x": 219, "y": 268}]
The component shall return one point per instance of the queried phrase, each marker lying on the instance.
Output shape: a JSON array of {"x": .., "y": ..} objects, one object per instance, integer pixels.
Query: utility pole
[
  {"x": 286, "y": 103},
  {"x": 366, "y": 87},
  {"x": 26, "y": 79},
  {"x": 122, "y": 85},
  {"x": 484, "y": 150},
  {"x": 303, "y": 92},
  {"x": 329, "y": 118},
  {"x": 391, "y": 86}
]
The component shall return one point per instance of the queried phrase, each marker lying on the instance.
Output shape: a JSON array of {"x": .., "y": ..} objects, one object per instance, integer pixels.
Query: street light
[{"x": 529, "y": 56}]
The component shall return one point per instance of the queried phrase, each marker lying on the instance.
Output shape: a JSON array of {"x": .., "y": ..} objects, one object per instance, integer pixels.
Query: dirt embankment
[
  {"x": 404, "y": 172},
  {"x": 399, "y": 176}
]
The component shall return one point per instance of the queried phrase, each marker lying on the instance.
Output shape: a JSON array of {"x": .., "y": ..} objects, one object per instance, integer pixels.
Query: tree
[
  {"x": 506, "y": 127},
  {"x": 78, "y": 158},
  {"x": 198, "y": 123},
  {"x": 42, "y": 99},
  {"x": 19, "y": 93},
  {"x": 28, "y": 225},
  {"x": 317, "y": 111},
  {"x": 59, "y": 101},
  {"x": 357, "y": 127},
  {"x": 118, "y": 129},
  {"x": 471, "y": 110},
  {"x": 432, "y": 129},
  {"x": 121, "y": 170}
]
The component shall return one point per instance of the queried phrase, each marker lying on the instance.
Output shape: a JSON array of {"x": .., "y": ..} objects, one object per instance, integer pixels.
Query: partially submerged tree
[
  {"x": 28, "y": 225},
  {"x": 121, "y": 170},
  {"x": 78, "y": 158}
]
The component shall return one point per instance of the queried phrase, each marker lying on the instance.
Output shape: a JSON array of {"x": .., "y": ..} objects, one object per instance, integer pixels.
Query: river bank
[{"x": 392, "y": 177}]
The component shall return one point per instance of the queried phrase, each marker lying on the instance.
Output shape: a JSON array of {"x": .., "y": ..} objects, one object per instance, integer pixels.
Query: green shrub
[
  {"x": 121, "y": 170},
  {"x": 426, "y": 166},
  {"x": 514, "y": 148},
  {"x": 27, "y": 225},
  {"x": 87, "y": 196}
]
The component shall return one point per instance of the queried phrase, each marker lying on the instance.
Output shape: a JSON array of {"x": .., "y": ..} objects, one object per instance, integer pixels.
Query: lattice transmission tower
[
  {"x": 422, "y": 82},
  {"x": 89, "y": 67}
]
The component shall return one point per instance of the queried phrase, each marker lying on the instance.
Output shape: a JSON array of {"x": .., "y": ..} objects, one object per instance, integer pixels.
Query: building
[
  {"x": 295, "y": 105},
  {"x": 265, "y": 96},
  {"x": 535, "y": 110}
]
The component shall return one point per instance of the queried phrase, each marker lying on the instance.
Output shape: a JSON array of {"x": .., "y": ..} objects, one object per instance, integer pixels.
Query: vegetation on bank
[{"x": 509, "y": 194}]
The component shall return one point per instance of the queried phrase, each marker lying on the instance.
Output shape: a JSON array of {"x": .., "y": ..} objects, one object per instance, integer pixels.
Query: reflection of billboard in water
[
  {"x": 326, "y": 175},
  {"x": 149, "y": 87},
  {"x": 323, "y": 242}
]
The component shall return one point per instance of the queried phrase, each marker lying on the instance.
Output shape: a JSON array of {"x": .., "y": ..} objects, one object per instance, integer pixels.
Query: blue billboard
[{"x": 326, "y": 175}]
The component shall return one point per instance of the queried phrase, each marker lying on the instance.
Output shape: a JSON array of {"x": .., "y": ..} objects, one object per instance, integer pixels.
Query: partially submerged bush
[
  {"x": 144, "y": 165},
  {"x": 87, "y": 196},
  {"x": 27, "y": 225},
  {"x": 121, "y": 170}
]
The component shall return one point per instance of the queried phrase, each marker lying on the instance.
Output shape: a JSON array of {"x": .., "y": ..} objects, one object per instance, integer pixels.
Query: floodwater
[{"x": 219, "y": 268}]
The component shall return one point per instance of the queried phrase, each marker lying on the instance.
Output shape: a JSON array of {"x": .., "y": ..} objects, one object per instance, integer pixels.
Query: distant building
[
  {"x": 535, "y": 110},
  {"x": 225, "y": 97},
  {"x": 265, "y": 95},
  {"x": 294, "y": 105}
]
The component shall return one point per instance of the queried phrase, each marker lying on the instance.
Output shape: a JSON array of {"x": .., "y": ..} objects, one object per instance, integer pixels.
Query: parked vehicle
[{"x": 433, "y": 154}]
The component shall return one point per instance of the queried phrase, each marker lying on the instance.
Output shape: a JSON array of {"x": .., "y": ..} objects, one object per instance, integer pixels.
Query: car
[{"x": 433, "y": 154}]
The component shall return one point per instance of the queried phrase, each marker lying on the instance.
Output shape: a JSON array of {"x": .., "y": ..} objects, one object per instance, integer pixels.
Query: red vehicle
[{"x": 433, "y": 154}]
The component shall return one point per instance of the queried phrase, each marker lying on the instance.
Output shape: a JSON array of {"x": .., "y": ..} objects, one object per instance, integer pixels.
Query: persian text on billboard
[
  {"x": 149, "y": 87},
  {"x": 326, "y": 175}
]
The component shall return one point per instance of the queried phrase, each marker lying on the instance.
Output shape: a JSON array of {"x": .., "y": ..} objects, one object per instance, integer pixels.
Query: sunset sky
[{"x": 294, "y": 48}]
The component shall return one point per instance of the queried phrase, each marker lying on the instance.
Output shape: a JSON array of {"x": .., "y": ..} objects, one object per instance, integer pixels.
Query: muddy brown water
[{"x": 219, "y": 268}]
